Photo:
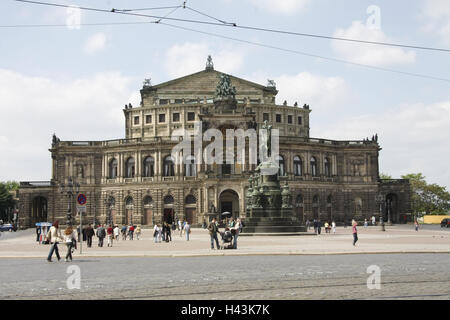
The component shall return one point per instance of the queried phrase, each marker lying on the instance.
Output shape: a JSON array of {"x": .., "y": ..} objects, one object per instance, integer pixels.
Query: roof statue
[
  {"x": 209, "y": 63},
  {"x": 271, "y": 83},
  {"x": 224, "y": 88},
  {"x": 147, "y": 83}
]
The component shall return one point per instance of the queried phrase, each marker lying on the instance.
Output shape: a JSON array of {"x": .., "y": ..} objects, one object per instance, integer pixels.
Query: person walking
[
  {"x": 319, "y": 227},
  {"x": 187, "y": 230},
  {"x": 131, "y": 231},
  {"x": 89, "y": 234},
  {"x": 138, "y": 231},
  {"x": 333, "y": 227},
  {"x": 308, "y": 226},
  {"x": 213, "y": 229},
  {"x": 366, "y": 224},
  {"x": 373, "y": 220},
  {"x": 101, "y": 234},
  {"x": 326, "y": 227},
  {"x": 355, "y": 232},
  {"x": 54, "y": 236},
  {"x": 70, "y": 237},
  {"x": 237, "y": 228},
  {"x": 168, "y": 233},
  {"x": 110, "y": 235},
  {"x": 416, "y": 225},
  {"x": 315, "y": 226},
  {"x": 116, "y": 233},
  {"x": 124, "y": 232},
  {"x": 38, "y": 234},
  {"x": 156, "y": 233}
]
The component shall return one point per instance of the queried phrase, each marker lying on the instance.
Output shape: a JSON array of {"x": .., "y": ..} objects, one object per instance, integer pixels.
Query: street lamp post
[
  {"x": 109, "y": 203},
  {"x": 72, "y": 188},
  {"x": 379, "y": 198}
]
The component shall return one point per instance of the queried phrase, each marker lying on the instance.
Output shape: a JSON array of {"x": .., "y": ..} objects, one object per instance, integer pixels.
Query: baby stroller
[{"x": 227, "y": 239}]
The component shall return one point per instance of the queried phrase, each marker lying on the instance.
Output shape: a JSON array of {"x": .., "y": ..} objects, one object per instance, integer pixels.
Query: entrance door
[
  {"x": 190, "y": 215},
  {"x": 227, "y": 206},
  {"x": 148, "y": 217},
  {"x": 129, "y": 216},
  {"x": 168, "y": 215}
]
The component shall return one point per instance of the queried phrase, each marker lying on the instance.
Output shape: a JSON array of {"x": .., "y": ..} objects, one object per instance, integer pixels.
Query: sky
[{"x": 73, "y": 80}]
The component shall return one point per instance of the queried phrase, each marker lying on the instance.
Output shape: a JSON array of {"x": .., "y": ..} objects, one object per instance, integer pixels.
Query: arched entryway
[
  {"x": 169, "y": 212},
  {"x": 190, "y": 209},
  {"x": 229, "y": 202},
  {"x": 39, "y": 210},
  {"x": 147, "y": 218},
  {"x": 315, "y": 207},
  {"x": 391, "y": 206}
]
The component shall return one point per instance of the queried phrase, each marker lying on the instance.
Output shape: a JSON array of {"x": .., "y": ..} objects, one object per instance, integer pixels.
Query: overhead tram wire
[
  {"x": 309, "y": 54},
  {"x": 234, "y": 25}
]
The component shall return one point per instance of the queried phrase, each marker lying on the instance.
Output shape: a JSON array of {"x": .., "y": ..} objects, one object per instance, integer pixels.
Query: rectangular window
[
  {"x": 176, "y": 117},
  {"x": 148, "y": 118},
  {"x": 163, "y": 101},
  {"x": 265, "y": 117},
  {"x": 299, "y": 120},
  {"x": 191, "y": 116},
  {"x": 178, "y": 101},
  {"x": 162, "y": 118},
  {"x": 289, "y": 119},
  {"x": 278, "y": 118},
  {"x": 136, "y": 120}
]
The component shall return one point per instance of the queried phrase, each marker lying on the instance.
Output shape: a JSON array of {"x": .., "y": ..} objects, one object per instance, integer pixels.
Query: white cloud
[
  {"x": 414, "y": 138},
  {"x": 95, "y": 43},
  {"x": 437, "y": 16},
  {"x": 375, "y": 55},
  {"x": 187, "y": 58},
  {"x": 320, "y": 92},
  {"x": 287, "y": 7},
  {"x": 36, "y": 107}
]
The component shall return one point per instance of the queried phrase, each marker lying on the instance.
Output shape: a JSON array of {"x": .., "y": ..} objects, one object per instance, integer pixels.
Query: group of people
[
  {"x": 71, "y": 236},
  {"x": 164, "y": 232},
  {"x": 317, "y": 224},
  {"x": 230, "y": 235}
]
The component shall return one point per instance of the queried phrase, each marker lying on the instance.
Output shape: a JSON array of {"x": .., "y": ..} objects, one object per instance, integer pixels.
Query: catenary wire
[
  {"x": 309, "y": 54},
  {"x": 234, "y": 25}
]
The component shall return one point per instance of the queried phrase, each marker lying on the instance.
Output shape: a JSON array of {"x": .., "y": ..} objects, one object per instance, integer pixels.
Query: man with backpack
[{"x": 101, "y": 234}]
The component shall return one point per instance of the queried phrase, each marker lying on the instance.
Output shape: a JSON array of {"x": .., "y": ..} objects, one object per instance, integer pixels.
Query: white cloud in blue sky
[{"x": 75, "y": 82}]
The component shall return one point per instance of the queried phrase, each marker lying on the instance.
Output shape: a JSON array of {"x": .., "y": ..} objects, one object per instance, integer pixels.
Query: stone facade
[{"x": 330, "y": 180}]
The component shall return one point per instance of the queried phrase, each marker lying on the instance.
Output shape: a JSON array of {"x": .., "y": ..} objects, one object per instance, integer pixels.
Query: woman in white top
[
  {"x": 333, "y": 227},
  {"x": 116, "y": 233},
  {"x": 70, "y": 237},
  {"x": 187, "y": 230},
  {"x": 156, "y": 233}
]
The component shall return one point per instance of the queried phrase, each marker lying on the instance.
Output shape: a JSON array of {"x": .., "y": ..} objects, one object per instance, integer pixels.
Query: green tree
[
  {"x": 428, "y": 198},
  {"x": 6, "y": 200},
  {"x": 385, "y": 176}
]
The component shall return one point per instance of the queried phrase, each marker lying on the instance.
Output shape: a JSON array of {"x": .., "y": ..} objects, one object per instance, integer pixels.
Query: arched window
[
  {"x": 190, "y": 199},
  {"x": 168, "y": 199},
  {"x": 149, "y": 167},
  {"x": 329, "y": 199},
  {"x": 297, "y": 166},
  {"x": 281, "y": 166},
  {"x": 316, "y": 199},
  {"x": 129, "y": 203},
  {"x": 169, "y": 167},
  {"x": 299, "y": 200},
  {"x": 327, "y": 165},
  {"x": 130, "y": 165},
  {"x": 113, "y": 168},
  {"x": 148, "y": 201},
  {"x": 313, "y": 163},
  {"x": 190, "y": 167}
]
